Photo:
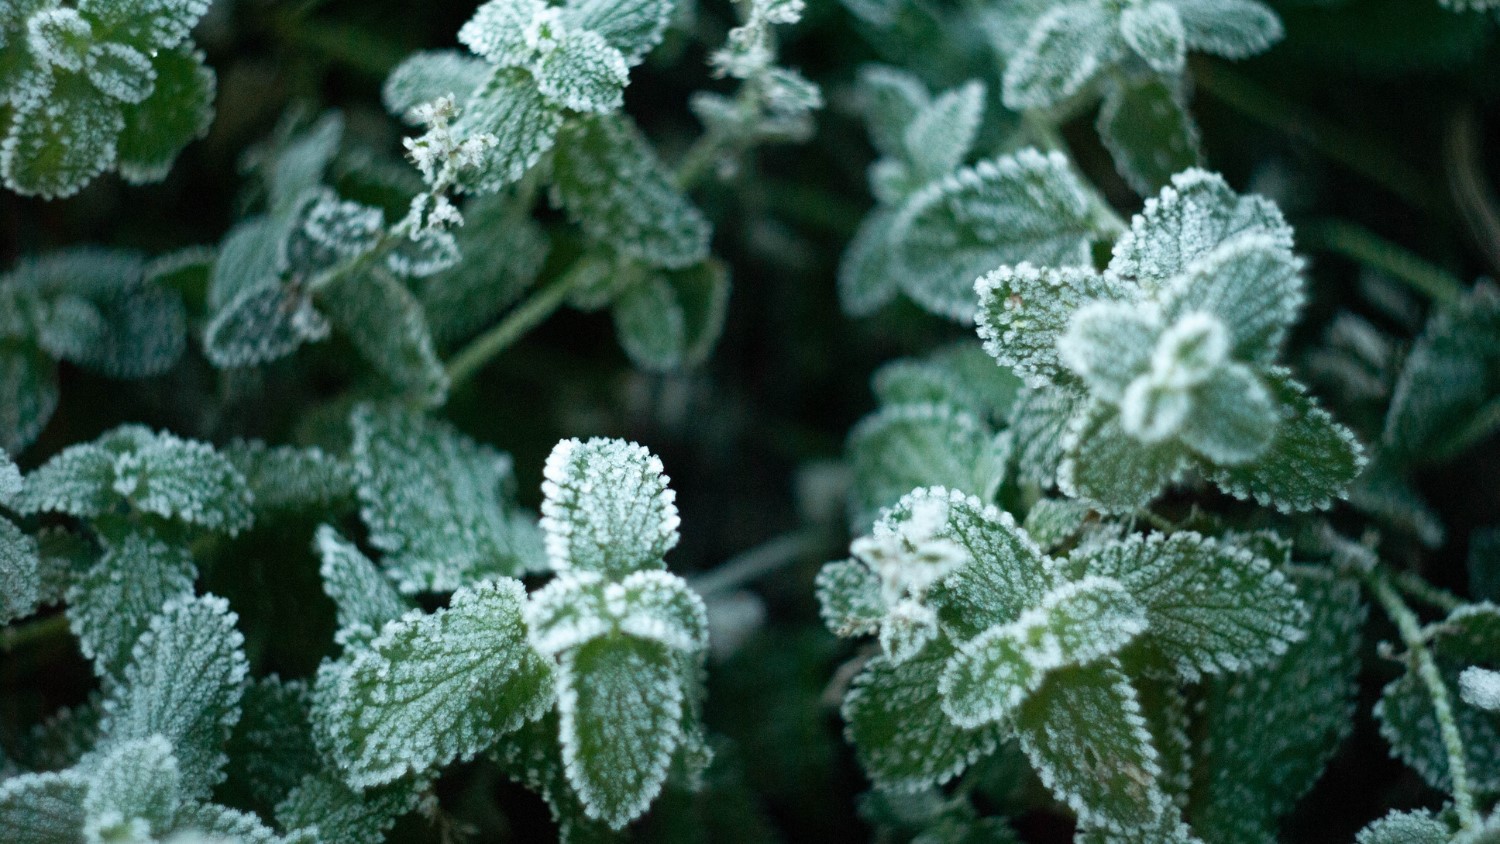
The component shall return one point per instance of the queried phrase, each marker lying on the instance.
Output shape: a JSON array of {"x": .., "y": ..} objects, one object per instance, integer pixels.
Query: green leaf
[
  {"x": 1245, "y": 776},
  {"x": 620, "y": 705},
  {"x": 342, "y": 815},
  {"x": 633, "y": 27},
  {"x": 943, "y": 132},
  {"x": 606, "y": 507},
  {"x": 524, "y": 124},
  {"x": 272, "y": 748},
  {"x": 1077, "y": 623},
  {"x": 1155, "y": 32},
  {"x": 1309, "y": 463},
  {"x": 147, "y": 24},
  {"x": 1211, "y": 607},
  {"x": 868, "y": 277},
  {"x": 890, "y": 99},
  {"x": 1418, "y": 827},
  {"x": 388, "y": 328},
  {"x": 156, "y": 473},
  {"x": 531, "y": 756},
  {"x": 58, "y": 144},
  {"x": 209, "y": 822},
  {"x": 20, "y": 572},
  {"x": 364, "y": 598},
  {"x": 112, "y": 604},
  {"x": 894, "y": 719},
  {"x": 134, "y": 791},
  {"x": 903, "y": 447},
  {"x": 431, "y": 689},
  {"x": 299, "y": 162},
  {"x": 1234, "y": 29},
  {"x": 1111, "y": 469},
  {"x": 1010, "y": 210},
  {"x": 286, "y": 479},
  {"x": 425, "y": 76},
  {"x": 610, "y": 181},
  {"x": 1053, "y": 522},
  {"x": 672, "y": 320},
  {"x": 121, "y": 72},
  {"x": 1149, "y": 132},
  {"x": 497, "y": 31},
  {"x": 1107, "y": 344},
  {"x": 1024, "y": 312},
  {"x": 655, "y": 606},
  {"x": 1067, "y": 48},
  {"x": 961, "y": 375},
  {"x": 184, "y": 683},
  {"x": 43, "y": 808},
  {"x": 1084, "y": 734},
  {"x": 849, "y": 599},
  {"x": 28, "y": 394},
  {"x": 1039, "y": 422},
  {"x": 179, "y": 111},
  {"x": 439, "y": 505},
  {"x": 582, "y": 72},
  {"x": 1252, "y": 283},
  {"x": 261, "y": 324}
]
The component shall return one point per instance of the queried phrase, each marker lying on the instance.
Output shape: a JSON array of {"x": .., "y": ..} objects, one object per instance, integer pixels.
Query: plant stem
[
  {"x": 32, "y": 632},
  {"x": 1425, "y": 592},
  {"x": 1352, "y": 150},
  {"x": 1410, "y": 628},
  {"x": 761, "y": 560},
  {"x": 1467, "y": 184},
  {"x": 526, "y": 316},
  {"x": 1364, "y": 246},
  {"x": 1481, "y": 424}
]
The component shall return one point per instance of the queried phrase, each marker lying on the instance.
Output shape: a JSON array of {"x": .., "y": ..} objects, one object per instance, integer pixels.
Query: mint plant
[{"x": 1080, "y": 428}]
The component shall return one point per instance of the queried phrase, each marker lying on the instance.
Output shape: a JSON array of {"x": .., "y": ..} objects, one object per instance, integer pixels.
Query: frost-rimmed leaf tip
[{"x": 607, "y": 508}]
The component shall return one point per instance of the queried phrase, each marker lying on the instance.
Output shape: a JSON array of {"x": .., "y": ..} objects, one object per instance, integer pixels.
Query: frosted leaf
[
  {"x": 1308, "y": 464},
  {"x": 1022, "y": 207},
  {"x": 1245, "y": 776},
  {"x": 1068, "y": 47},
  {"x": 576, "y": 608},
  {"x": 849, "y": 599},
  {"x": 1251, "y": 283},
  {"x": 1470, "y": 635},
  {"x": 120, "y": 71},
  {"x": 1108, "y": 344},
  {"x": 299, "y": 163},
  {"x": 134, "y": 792},
  {"x": 156, "y": 473},
  {"x": 620, "y": 704},
  {"x": 344, "y": 228},
  {"x": 1156, "y": 33},
  {"x": 649, "y": 326},
  {"x": 1149, "y": 133},
  {"x": 867, "y": 275},
  {"x": 1084, "y": 734},
  {"x": 64, "y": 738},
  {"x": 1076, "y": 623},
  {"x": 903, "y": 447},
  {"x": 1110, "y": 468},
  {"x": 1024, "y": 311},
  {"x": 523, "y": 122},
  {"x": 112, "y": 604},
  {"x": 1418, "y": 827},
  {"x": 271, "y": 748},
  {"x": 1004, "y": 570},
  {"x": 1480, "y": 688},
  {"x": 59, "y": 144},
  {"x": 961, "y": 375},
  {"x": 438, "y": 504},
  {"x": 1234, "y": 29},
  {"x": 28, "y": 394},
  {"x": 1038, "y": 423},
  {"x": 498, "y": 30},
  {"x": 285, "y": 479},
  {"x": 1233, "y": 420},
  {"x": 148, "y": 25},
  {"x": 890, "y": 99},
  {"x": 610, "y": 181},
  {"x": 43, "y": 808},
  {"x": 20, "y": 572},
  {"x": 606, "y": 507},
  {"x": 207, "y": 823},
  {"x": 59, "y": 37},
  {"x": 425, "y": 76},
  {"x": 893, "y": 716},
  {"x": 1053, "y": 522},
  {"x": 502, "y": 257},
  {"x": 364, "y": 598},
  {"x": 184, "y": 683},
  {"x": 633, "y": 27},
  {"x": 1168, "y": 711},
  {"x": 1211, "y": 607},
  {"x": 261, "y": 324},
  {"x": 941, "y": 135},
  {"x": 1189, "y": 218},
  {"x": 10, "y": 478},
  {"x": 433, "y": 688},
  {"x": 582, "y": 73},
  {"x": 248, "y": 258},
  {"x": 342, "y": 815},
  {"x": 386, "y": 325}
]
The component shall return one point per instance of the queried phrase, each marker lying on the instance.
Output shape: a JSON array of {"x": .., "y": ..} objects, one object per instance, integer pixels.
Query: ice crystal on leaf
[{"x": 607, "y": 508}]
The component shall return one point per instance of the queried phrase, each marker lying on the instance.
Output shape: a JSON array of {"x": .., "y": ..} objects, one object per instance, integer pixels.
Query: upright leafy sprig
[
  {"x": 95, "y": 85},
  {"x": 1166, "y": 361},
  {"x": 613, "y": 645},
  {"x": 984, "y": 636}
]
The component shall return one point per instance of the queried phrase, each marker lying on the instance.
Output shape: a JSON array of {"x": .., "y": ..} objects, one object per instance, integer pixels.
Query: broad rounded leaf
[
  {"x": 179, "y": 111},
  {"x": 606, "y": 507}
]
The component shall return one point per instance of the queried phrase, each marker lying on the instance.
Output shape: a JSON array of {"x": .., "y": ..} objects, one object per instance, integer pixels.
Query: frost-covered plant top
[
  {"x": 1167, "y": 360},
  {"x": 98, "y": 85}
]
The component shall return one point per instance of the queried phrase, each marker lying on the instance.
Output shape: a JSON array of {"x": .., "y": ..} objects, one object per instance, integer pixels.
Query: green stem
[
  {"x": 526, "y": 316},
  {"x": 1351, "y": 150},
  {"x": 1410, "y": 629},
  {"x": 32, "y": 632},
  {"x": 1480, "y": 425},
  {"x": 761, "y": 560},
  {"x": 1425, "y": 592},
  {"x": 1364, "y": 246}
]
